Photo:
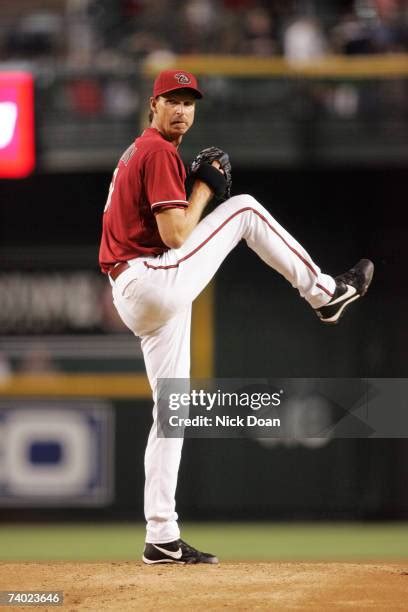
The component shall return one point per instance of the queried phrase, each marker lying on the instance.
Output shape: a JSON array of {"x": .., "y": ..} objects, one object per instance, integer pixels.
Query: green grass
[{"x": 235, "y": 541}]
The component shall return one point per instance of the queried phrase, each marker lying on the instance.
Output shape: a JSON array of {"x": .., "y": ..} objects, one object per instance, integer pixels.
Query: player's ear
[{"x": 153, "y": 104}]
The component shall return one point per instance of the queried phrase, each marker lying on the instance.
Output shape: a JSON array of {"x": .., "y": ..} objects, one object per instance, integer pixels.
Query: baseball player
[{"x": 159, "y": 256}]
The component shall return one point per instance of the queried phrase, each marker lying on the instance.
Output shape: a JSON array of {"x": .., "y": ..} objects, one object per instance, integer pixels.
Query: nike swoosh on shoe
[
  {"x": 349, "y": 293},
  {"x": 174, "y": 554}
]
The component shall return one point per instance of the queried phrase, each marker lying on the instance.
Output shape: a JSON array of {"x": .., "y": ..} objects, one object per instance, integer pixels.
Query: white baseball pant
[{"x": 154, "y": 297}]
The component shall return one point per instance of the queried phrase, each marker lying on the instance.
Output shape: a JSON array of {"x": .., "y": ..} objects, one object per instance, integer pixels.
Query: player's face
[{"x": 173, "y": 113}]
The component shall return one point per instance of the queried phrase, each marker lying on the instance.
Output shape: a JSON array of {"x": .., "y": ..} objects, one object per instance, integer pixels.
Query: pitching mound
[{"x": 235, "y": 586}]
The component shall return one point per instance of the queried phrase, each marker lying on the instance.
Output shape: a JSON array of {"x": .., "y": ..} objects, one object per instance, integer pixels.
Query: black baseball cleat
[
  {"x": 175, "y": 552},
  {"x": 349, "y": 287}
]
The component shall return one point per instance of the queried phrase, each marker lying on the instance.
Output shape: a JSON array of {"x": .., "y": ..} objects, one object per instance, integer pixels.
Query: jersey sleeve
[{"x": 164, "y": 181}]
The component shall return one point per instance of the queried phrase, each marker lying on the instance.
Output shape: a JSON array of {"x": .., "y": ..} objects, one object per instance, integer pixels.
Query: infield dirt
[{"x": 235, "y": 586}]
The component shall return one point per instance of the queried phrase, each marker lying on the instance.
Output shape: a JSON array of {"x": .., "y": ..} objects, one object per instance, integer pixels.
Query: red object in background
[
  {"x": 86, "y": 96},
  {"x": 130, "y": 8},
  {"x": 17, "y": 141}
]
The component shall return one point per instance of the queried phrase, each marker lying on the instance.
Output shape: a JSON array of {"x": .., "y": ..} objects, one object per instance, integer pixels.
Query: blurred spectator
[
  {"x": 35, "y": 36},
  {"x": 352, "y": 36},
  {"x": 83, "y": 39},
  {"x": 390, "y": 31},
  {"x": 159, "y": 20},
  {"x": 372, "y": 26},
  {"x": 110, "y": 33},
  {"x": 148, "y": 29},
  {"x": 303, "y": 41},
  {"x": 230, "y": 34},
  {"x": 199, "y": 27},
  {"x": 259, "y": 38},
  {"x": 142, "y": 45}
]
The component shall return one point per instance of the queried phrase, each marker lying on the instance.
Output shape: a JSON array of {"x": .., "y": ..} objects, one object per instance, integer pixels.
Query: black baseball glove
[{"x": 201, "y": 168}]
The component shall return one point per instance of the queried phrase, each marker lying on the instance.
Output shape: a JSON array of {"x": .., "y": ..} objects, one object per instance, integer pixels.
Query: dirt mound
[{"x": 235, "y": 586}]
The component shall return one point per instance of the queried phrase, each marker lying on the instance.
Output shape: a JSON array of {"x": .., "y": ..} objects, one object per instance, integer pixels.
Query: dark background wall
[
  {"x": 339, "y": 215},
  {"x": 264, "y": 329}
]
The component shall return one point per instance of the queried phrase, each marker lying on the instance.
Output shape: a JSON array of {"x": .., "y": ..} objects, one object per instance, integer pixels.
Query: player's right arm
[
  {"x": 176, "y": 224},
  {"x": 164, "y": 185}
]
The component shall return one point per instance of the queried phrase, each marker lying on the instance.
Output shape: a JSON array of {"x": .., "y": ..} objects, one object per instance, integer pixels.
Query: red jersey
[{"x": 149, "y": 178}]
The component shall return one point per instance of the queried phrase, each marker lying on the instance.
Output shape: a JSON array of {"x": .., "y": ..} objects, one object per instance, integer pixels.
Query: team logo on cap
[{"x": 182, "y": 78}]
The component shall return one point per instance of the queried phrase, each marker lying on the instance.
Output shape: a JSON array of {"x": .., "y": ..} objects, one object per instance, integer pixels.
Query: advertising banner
[{"x": 17, "y": 140}]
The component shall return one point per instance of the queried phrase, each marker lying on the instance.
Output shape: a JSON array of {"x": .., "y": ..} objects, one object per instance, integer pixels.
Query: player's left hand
[{"x": 219, "y": 179}]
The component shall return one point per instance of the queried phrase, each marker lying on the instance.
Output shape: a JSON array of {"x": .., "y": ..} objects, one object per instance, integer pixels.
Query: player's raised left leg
[{"x": 183, "y": 273}]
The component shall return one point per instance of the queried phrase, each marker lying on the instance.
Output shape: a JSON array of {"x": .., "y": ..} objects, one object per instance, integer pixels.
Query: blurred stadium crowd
[{"x": 83, "y": 33}]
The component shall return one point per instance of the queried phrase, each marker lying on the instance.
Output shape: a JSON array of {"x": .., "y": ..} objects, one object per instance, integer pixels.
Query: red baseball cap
[{"x": 169, "y": 80}]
